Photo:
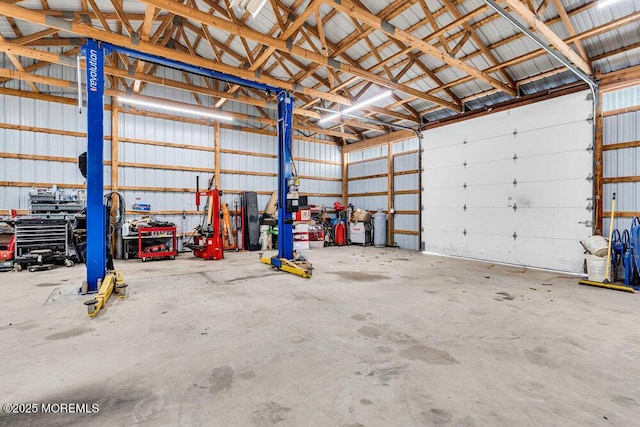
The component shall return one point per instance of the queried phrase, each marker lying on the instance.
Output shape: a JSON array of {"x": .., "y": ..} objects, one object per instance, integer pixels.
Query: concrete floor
[{"x": 378, "y": 337}]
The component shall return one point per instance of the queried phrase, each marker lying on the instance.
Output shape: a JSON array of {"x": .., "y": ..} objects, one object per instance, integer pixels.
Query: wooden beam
[
  {"x": 114, "y": 146},
  {"x": 16, "y": 63},
  {"x": 122, "y": 16},
  {"x": 546, "y": 32},
  {"x": 40, "y": 18},
  {"x": 216, "y": 157},
  {"x": 620, "y": 79},
  {"x": 349, "y": 8},
  {"x": 619, "y": 179},
  {"x": 284, "y": 46},
  {"x": 145, "y": 33},
  {"x": 381, "y": 140},
  {"x": 118, "y": 72},
  {"x": 621, "y": 145},
  {"x": 562, "y": 12},
  {"x": 620, "y": 214},
  {"x": 621, "y": 111},
  {"x": 390, "y": 193}
]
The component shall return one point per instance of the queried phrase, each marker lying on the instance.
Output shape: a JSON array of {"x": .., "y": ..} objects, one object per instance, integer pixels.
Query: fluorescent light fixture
[
  {"x": 252, "y": 6},
  {"x": 605, "y": 3},
  {"x": 174, "y": 108},
  {"x": 358, "y": 106}
]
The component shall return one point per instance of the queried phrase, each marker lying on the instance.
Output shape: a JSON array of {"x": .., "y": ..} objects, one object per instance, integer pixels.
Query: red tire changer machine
[{"x": 207, "y": 239}]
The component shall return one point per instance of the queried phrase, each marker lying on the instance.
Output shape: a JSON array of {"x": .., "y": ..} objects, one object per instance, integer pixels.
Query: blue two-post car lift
[{"x": 100, "y": 279}]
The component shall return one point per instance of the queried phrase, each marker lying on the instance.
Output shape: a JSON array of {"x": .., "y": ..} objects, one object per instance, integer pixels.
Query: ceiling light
[
  {"x": 251, "y": 6},
  {"x": 174, "y": 108},
  {"x": 358, "y": 106},
  {"x": 605, "y": 3}
]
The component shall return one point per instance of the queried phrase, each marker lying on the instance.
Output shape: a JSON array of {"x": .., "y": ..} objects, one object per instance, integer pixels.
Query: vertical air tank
[{"x": 379, "y": 229}]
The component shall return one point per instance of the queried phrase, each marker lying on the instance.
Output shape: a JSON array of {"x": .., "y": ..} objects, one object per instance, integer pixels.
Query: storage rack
[
  {"x": 48, "y": 204},
  {"x": 165, "y": 234}
]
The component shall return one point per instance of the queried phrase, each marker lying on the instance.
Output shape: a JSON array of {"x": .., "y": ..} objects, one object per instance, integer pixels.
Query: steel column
[
  {"x": 96, "y": 259},
  {"x": 285, "y": 139}
]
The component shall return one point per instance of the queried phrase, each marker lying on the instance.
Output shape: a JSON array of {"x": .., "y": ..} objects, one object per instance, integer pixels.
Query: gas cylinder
[{"x": 340, "y": 233}]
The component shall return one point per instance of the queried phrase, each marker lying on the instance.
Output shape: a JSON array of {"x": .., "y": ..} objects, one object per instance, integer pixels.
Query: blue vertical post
[
  {"x": 285, "y": 139},
  {"x": 96, "y": 259}
]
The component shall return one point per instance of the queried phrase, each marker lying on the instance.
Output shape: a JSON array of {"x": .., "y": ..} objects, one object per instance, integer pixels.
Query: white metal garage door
[{"x": 513, "y": 186}]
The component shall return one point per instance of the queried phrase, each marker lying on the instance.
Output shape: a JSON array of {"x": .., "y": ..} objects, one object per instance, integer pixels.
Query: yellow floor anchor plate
[
  {"x": 301, "y": 268},
  {"x": 112, "y": 282}
]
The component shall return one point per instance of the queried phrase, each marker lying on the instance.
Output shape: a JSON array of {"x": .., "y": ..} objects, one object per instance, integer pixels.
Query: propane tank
[
  {"x": 340, "y": 234},
  {"x": 379, "y": 229}
]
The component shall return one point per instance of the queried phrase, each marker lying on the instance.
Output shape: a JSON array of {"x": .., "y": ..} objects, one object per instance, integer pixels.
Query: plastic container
[
  {"x": 596, "y": 268},
  {"x": 596, "y": 245},
  {"x": 379, "y": 229},
  {"x": 264, "y": 237}
]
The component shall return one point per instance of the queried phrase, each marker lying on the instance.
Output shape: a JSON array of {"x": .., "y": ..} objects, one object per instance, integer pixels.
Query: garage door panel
[
  {"x": 558, "y": 166},
  {"x": 573, "y": 193},
  {"x": 551, "y": 191},
  {"x": 500, "y": 147},
  {"x": 572, "y": 136},
  {"x": 498, "y": 172}
]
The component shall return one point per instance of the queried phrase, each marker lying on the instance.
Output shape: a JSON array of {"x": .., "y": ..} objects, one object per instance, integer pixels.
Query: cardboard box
[{"x": 360, "y": 215}]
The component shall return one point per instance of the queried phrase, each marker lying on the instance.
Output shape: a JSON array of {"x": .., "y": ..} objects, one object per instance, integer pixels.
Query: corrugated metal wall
[
  {"x": 152, "y": 170},
  {"x": 406, "y": 194},
  {"x": 620, "y": 164},
  {"x": 142, "y": 181},
  {"x": 32, "y": 131},
  {"x": 368, "y": 187},
  {"x": 365, "y": 189}
]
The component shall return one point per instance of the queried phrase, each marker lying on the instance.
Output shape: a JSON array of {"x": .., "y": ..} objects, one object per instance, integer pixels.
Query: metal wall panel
[
  {"x": 45, "y": 115},
  {"x": 318, "y": 169},
  {"x": 623, "y": 127},
  {"x": 402, "y": 202},
  {"x": 160, "y": 130},
  {"x": 27, "y": 112},
  {"x": 370, "y": 203},
  {"x": 627, "y": 97},
  {"x": 373, "y": 167},
  {"x": 314, "y": 150},
  {"x": 373, "y": 185},
  {"x": 625, "y": 162},
  {"x": 406, "y": 145},
  {"x": 406, "y": 202}
]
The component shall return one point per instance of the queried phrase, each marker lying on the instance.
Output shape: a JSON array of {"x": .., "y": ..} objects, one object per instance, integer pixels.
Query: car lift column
[
  {"x": 96, "y": 258},
  {"x": 285, "y": 223}
]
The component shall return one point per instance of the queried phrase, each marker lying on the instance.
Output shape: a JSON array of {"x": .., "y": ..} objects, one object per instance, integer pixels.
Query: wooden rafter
[
  {"x": 145, "y": 34},
  {"x": 349, "y": 7},
  {"x": 546, "y": 32},
  {"x": 118, "y": 39},
  {"x": 283, "y": 45},
  {"x": 16, "y": 63},
  {"x": 322, "y": 72}
]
